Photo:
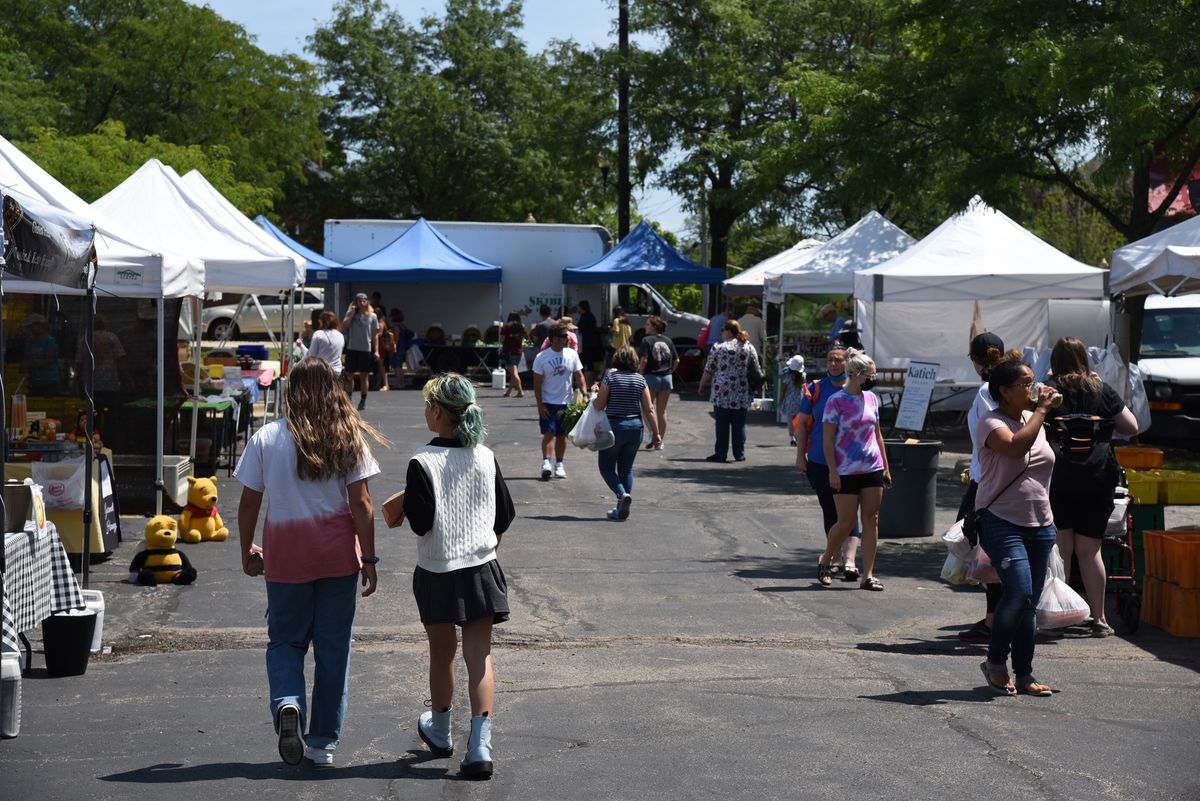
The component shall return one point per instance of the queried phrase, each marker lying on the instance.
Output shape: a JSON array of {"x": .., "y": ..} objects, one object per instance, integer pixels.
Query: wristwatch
[{"x": 370, "y": 560}]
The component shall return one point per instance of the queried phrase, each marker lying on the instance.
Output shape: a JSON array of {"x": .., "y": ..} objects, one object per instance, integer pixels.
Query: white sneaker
[
  {"x": 546, "y": 470},
  {"x": 320, "y": 757},
  {"x": 560, "y": 471}
]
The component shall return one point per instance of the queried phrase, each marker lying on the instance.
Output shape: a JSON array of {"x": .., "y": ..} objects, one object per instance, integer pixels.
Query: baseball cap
[{"x": 982, "y": 343}]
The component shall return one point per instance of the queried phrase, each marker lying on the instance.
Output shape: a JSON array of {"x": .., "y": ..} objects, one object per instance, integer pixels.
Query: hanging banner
[{"x": 42, "y": 243}]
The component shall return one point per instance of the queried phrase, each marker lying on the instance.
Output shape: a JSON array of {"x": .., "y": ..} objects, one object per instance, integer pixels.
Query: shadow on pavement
[
  {"x": 408, "y": 767},
  {"x": 932, "y": 697},
  {"x": 563, "y": 518}
]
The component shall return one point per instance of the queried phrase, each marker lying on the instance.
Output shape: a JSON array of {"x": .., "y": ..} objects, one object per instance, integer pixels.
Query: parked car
[
  {"x": 219, "y": 324},
  {"x": 1170, "y": 364}
]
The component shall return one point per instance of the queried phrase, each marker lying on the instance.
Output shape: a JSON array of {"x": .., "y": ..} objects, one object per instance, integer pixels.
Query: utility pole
[{"x": 623, "y": 186}]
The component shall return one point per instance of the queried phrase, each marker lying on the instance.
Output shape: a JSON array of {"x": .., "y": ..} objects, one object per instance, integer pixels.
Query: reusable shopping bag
[{"x": 592, "y": 430}]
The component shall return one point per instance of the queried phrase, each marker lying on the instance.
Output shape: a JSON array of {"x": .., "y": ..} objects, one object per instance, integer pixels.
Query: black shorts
[
  {"x": 853, "y": 485},
  {"x": 358, "y": 361},
  {"x": 1085, "y": 512}
]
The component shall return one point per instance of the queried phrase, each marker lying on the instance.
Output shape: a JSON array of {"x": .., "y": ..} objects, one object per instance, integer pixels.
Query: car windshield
[{"x": 1171, "y": 333}]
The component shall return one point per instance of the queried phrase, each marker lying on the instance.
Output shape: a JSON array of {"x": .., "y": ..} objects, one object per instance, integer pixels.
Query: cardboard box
[{"x": 393, "y": 510}]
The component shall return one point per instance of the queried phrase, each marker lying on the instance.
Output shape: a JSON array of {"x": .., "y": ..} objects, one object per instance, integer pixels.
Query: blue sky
[{"x": 282, "y": 25}]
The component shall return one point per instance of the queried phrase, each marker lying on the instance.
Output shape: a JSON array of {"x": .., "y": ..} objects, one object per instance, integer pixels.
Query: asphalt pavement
[{"x": 687, "y": 653}]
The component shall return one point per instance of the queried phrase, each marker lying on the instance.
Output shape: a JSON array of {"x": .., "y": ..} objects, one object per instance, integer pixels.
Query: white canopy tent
[
  {"x": 1167, "y": 263},
  {"x": 750, "y": 281},
  {"x": 919, "y": 304},
  {"x": 829, "y": 269}
]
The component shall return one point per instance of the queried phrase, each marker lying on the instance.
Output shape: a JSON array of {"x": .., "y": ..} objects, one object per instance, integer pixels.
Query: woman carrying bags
[
  {"x": 858, "y": 468},
  {"x": 1016, "y": 526},
  {"x": 624, "y": 396}
]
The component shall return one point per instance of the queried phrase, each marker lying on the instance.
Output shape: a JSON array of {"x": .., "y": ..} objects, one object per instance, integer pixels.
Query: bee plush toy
[{"x": 160, "y": 562}]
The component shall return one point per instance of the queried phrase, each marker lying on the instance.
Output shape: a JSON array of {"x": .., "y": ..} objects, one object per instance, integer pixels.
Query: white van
[{"x": 1169, "y": 358}]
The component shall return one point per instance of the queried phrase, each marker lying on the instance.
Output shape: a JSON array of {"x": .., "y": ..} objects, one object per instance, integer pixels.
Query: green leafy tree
[
  {"x": 176, "y": 71},
  {"x": 25, "y": 101},
  {"x": 453, "y": 119},
  {"x": 92, "y": 164}
]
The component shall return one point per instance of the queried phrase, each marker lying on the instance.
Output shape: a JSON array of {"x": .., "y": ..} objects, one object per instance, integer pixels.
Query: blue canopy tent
[
  {"x": 643, "y": 256},
  {"x": 318, "y": 265}
]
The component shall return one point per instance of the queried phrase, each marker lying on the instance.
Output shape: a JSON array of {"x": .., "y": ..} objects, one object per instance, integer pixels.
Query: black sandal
[
  {"x": 871, "y": 583},
  {"x": 824, "y": 575},
  {"x": 850, "y": 573}
]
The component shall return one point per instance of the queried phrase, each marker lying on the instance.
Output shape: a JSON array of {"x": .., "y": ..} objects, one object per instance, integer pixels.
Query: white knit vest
[{"x": 464, "y": 493}]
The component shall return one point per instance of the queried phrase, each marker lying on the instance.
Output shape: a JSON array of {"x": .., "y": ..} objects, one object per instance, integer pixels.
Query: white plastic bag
[
  {"x": 954, "y": 570},
  {"x": 1060, "y": 605},
  {"x": 592, "y": 430},
  {"x": 1137, "y": 401},
  {"x": 61, "y": 491},
  {"x": 956, "y": 541},
  {"x": 1055, "y": 569}
]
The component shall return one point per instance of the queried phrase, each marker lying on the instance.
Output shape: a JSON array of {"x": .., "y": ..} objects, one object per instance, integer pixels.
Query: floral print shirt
[{"x": 729, "y": 362}]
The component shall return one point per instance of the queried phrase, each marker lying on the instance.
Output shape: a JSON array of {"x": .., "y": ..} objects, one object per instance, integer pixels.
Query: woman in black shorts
[
  {"x": 1081, "y": 488},
  {"x": 858, "y": 468},
  {"x": 458, "y": 581}
]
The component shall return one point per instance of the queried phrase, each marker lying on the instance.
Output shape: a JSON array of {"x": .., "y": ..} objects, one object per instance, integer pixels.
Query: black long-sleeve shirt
[{"x": 419, "y": 503}]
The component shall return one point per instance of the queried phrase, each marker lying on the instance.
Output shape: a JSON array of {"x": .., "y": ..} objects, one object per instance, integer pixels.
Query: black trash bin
[
  {"x": 909, "y": 505},
  {"x": 67, "y": 641}
]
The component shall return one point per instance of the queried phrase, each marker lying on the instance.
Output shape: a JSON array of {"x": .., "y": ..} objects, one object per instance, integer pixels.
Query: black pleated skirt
[{"x": 459, "y": 596}]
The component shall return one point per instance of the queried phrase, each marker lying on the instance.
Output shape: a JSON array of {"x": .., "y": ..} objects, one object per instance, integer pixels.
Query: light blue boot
[
  {"x": 478, "y": 762},
  {"x": 434, "y": 728}
]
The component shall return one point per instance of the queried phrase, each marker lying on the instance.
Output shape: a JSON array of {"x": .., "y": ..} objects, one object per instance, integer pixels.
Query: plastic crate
[
  {"x": 1172, "y": 608},
  {"x": 1179, "y": 487},
  {"x": 1131, "y": 457},
  {"x": 1144, "y": 486},
  {"x": 1174, "y": 557}
]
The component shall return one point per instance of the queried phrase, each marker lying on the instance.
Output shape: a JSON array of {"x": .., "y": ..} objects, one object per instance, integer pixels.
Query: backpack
[
  {"x": 812, "y": 393},
  {"x": 754, "y": 373},
  {"x": 1081, "y": 441}
]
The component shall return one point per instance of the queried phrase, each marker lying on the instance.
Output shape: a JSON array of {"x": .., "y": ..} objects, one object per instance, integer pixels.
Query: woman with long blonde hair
[{"x": 318, "y": 546}]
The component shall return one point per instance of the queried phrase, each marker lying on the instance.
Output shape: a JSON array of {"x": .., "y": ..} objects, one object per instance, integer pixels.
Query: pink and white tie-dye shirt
[{"x": 855, "y": 447}]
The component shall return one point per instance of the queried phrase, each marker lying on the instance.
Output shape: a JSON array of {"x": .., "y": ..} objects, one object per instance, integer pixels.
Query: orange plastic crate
[
  {"x": 1152, "y": 592},
  {"x": 1153, "y": 551},
  {"x": 1181, "y": 553},
  {"x": 1180, "y": 614},
  {"x": 1137, "y": 458}
]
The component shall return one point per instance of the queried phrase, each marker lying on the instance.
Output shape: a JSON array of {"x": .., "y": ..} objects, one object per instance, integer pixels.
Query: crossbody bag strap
[{"x": 1028, "y": 462}]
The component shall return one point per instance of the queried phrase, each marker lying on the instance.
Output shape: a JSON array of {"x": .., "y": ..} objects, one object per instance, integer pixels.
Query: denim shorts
[
  {"x": 555, "y": 423},
  {"x": 659, "y": 383},
  {"x": 510, "y": 359}
]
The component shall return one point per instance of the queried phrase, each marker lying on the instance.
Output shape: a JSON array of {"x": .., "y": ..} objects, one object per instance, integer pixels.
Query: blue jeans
[
  {"x": 616, "y": 463},
  {"x": 319, "y": 612},
  {"x": 727, "y": 420},
  {"x": 1020, "y": 555}
]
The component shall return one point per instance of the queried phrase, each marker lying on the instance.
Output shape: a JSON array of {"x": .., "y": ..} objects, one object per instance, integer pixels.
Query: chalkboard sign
[
  {"x": 111, "y": 515},
  {"x": 918, "y": 389}
]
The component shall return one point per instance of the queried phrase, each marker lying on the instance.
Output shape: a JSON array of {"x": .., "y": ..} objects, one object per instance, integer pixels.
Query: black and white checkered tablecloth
[{"x": 38, "y": 581}]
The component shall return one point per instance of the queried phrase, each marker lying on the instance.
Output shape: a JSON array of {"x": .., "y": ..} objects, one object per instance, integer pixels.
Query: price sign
[{"x": 918, "y": 389}]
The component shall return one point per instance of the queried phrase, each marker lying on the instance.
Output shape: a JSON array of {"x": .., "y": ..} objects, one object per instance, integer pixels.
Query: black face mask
[{"x": 868, "y": 384}]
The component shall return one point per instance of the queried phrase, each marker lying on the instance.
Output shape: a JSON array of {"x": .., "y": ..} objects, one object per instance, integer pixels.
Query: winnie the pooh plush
[
  {"x": 160, "y": 562},
  {"x": 199, "y": 520}
]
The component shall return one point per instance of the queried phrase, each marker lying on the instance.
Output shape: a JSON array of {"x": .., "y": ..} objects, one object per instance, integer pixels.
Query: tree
[
  {"x": 176, "y": 71},
  {"x": 1083, "y": 97},
  {"x": 25, "y": 102},
  {"x": 455, "y": 120},
  {"x": 92, "y": 164}
]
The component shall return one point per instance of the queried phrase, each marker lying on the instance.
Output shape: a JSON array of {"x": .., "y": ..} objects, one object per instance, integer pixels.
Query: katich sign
[{"x": 918, "y": 389}]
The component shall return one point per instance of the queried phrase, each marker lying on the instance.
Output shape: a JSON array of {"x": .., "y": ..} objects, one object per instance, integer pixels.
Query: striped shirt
[{"x": 625, "y": 390}]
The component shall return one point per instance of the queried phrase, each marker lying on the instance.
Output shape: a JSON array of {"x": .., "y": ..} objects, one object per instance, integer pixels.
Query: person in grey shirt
[{"x": 361, "y": 329}]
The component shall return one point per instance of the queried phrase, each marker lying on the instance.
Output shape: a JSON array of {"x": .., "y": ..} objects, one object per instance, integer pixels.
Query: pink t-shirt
[
  {"x": 309, "y": 530},
  {"x": 855, "y": 446},
  {"x": 1027, "y": 501}
]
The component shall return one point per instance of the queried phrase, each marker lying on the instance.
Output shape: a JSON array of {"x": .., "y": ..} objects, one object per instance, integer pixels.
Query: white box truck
[
  {"x": 1169, "y": 359},
  {"x": 532, "y": 256}
]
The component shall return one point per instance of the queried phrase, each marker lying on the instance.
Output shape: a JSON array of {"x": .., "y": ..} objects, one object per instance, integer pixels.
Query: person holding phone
[
  {"x": 858, "y": 467},
  {"x": 361, "y": 328}
]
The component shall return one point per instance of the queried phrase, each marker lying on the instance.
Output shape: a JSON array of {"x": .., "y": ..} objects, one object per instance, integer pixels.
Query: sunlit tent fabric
[
  {"x": 419, "y": 255},
  {"x": 129, "y": 266},
  {"x": 643, "y": 256},
  {"x": 1167, "y": 263},
  {"x": 228, "y": 216},
  {"x": 318, "y": 265},
  {"x": 919, "y": 304},
  {"x": 829, "y": 269},
  {"x": 750, "y": 280},
  {"x": 153, "y": 203}
]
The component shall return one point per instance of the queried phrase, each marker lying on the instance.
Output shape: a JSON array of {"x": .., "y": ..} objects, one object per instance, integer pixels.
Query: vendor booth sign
[
  {"x": 918, "y": 389},
  {"x": 45, "y": 244}
]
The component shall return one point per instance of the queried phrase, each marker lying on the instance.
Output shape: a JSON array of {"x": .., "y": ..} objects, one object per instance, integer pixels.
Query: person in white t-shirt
[
  {"x": 555, "y": 372},
  {"x": 318, "y": 544},
  {"x": 327, "y": 343}
]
